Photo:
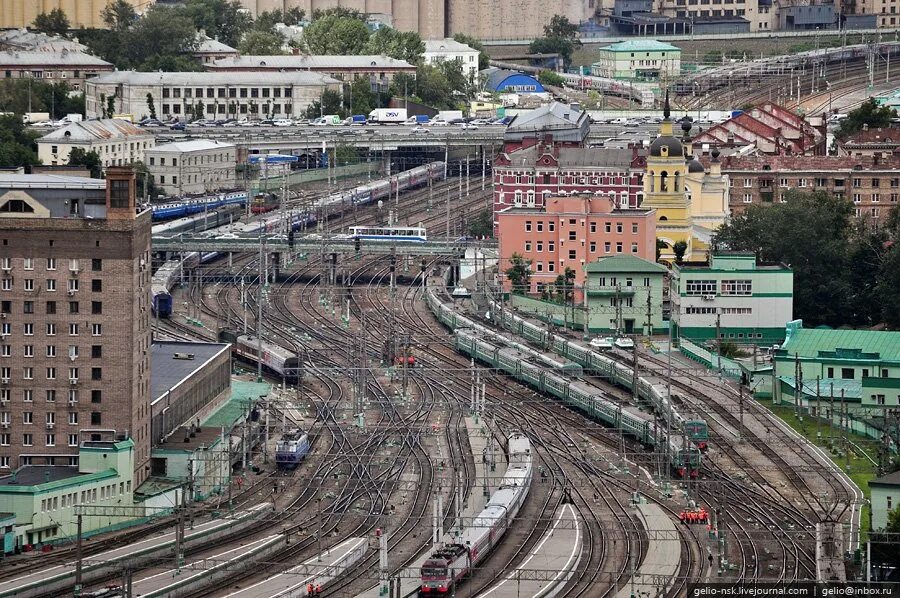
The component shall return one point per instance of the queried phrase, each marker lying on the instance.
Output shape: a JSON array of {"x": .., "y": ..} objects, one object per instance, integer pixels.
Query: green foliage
[
  {"x": 224, "y": 20},
  {"x": 482, "y": 224},
  {"x": 844, "y": 273},
  {"x": 340, "y": 12},
  {"x": 119, "y": 15},
  {"x": 17, "y": 146},
  {"x": 144, "y": 178},
  {"x": 484, "y": 61},
  {"x": 551, "y": 78},
  {"x": 565, "y": 286},
  {"x": 329, "y": 103},
  {"x": 869, "y": 113},
  {"x": 90, "y": 160},
  {"x": 679, "y": 249},
  {"x": 660, "y": 245},
  {"x": 56, "y": 98},
  {"x": 519, "y": 274},
  {"x": 53, "y": 23},
  {"x": 110, "y": 108},
  {"x": 266, "y": 21},
  {"x": 151, "y": 108},
  {"x": 559, "y": 38},
  {"x": 335, "y": 34},
  {"x": 345, "y": 154},
  {"x": 359, "y": 97},
  {"x": 402, "y": 45},
  {"x": 260, "y": 43}
]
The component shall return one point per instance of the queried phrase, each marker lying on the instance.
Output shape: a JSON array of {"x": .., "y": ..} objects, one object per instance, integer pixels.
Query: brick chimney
[{"x": 121, "y": 183}]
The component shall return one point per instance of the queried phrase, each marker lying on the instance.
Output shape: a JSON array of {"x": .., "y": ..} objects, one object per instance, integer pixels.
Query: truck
[
  {"x": 417, "y": 119},
  {"x": 35, "y": 117},
  {"x": 449, "y": 116},
  {"x": 381, "y": 116},
  {"x": 328, "y": 119},
  {"x": 356, "y": 119}
]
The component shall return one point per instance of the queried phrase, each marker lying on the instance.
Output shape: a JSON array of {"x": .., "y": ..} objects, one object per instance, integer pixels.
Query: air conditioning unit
[
  {"x": 71, "y": 292},
  {"x": 4, "y": 425},
  {"x": 708, "y": 297},
  {"x": 4, "y": 380},
  {"x": 50, "y": 426},
  {"x": 73, "y": 401},
  {"x": 73, "y": 381}
]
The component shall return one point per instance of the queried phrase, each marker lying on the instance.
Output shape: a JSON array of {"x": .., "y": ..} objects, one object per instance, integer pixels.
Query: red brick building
[
  {"x": 571, "y": 232},
  {"x": 878, "y": 142},
  {"x": 527, "y": 177},
  {"x": 770, "y": 129}
]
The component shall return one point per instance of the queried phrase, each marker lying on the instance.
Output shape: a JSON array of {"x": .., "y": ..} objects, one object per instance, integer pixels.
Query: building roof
[
  {"x": 172, "y": 362},
  {"x": 49, "y": 181},
  {"x": 154, "y": 486},
  {"x": 190, "y": 439},
  {"x": 827, "y": 164},
  {"x": 32, "y": 475},
  {"x": 877, "y": 136},
  {"x": 890, "y": 480},
  {"x": 851, "y": 389},
  {"x": 302, "y": 62},
  {"x": 58, "y": 59},
  {"x": 95, "y": 130},
  {"x": 213, "y": 78},
  {"x": 570, "y": 157},
  {"x": 496, "y": 77},
  {"x": 434, "y": 46},
  {"x": 869, "y": 344},
  {"x": 206, "y": 45},
  {"x": 641, "y": 45},
  {"x": 194, "y": 145},
  {"x": 769, "y": 127},
  {"x": 23, "y": 39},
  {"x": 624, "y": 263}
]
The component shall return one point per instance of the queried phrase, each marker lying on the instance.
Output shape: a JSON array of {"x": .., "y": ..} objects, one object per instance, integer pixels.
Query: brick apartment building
[
  {"x": 770, "y": 129},
  {"x": 571, "y": 232},
  {"x": 876, "y": 142},
  {"x": 74, "y": 318},
  {"x": 872, "y": 183}
]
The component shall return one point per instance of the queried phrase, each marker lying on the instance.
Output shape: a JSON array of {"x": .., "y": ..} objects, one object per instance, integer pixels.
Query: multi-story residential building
[
  {"x": 770, "y": 129},
  {"x": 569, "y": 232},
  {"x": 732, "y": 296},
  {"x": 529, "y": 176},
  {"x": 53, "y": 67},
  {"x": 862, "y": 367},
  {"x": 448, "y": 50},
  {"x": 874, "y": 143},
  {"x": 872, "y": 183},
  {"x": 43, "y": 498},
  {"x": 380, "y": 70},
  {"x": 34, "y": 41},
  {"x": 207, "y": 95},
  {"x": 641, "y": 59},
  {"x": 624, "y": 294},
  {"x": 208, "y": 51},
  {"x": 74, "y": 318},
  {"x": 116, "y": 141},
  {"x": 18, "y": 14},
  {"x": 196, "y": 166}
]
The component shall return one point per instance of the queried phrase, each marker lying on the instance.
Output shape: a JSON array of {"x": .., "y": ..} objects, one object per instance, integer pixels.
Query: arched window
[
  {"x": 652, "y": 176},
  {"x": 662, "y": 218},
  {"x": 664, "y": 181},
  {"x": 677, "y": 182}
]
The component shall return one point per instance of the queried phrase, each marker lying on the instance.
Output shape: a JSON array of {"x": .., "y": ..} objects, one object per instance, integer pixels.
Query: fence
[{"x": 728, "y": 367}]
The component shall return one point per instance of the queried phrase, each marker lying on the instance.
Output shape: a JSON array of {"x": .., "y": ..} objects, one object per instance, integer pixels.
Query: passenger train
[
  {"x": 291, "y": 449},
  {"x": 406, "y": 234},
  {"x": 186, "y": 207},
  {"x": 447, "y": 566},
  {"x": 200, "y": 222},
  {"x": 274, "y": 358}
]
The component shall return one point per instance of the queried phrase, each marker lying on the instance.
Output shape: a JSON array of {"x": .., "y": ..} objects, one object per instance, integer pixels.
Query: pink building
[
  {"x": 528, "y": 176},
  {"x": 571, "y": 232}
]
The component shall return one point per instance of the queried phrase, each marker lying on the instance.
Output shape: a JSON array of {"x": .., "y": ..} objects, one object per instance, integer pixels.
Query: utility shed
[{"x": 885, "y": 498}]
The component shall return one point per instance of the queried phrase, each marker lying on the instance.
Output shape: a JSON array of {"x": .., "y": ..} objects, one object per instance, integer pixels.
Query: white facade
[
  {"x": 118, "y": 142},
  {"x": 219, "y": 95},
  {"x": 198, "y": 166},
  {"x": 439, "y": 50}
]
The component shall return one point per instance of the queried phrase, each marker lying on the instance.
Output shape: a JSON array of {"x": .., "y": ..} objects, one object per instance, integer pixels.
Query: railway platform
[
  {"x": 474, "y": 504},
  {"x": 558, "y": 550},
  {"x": 660, "y": 565}
]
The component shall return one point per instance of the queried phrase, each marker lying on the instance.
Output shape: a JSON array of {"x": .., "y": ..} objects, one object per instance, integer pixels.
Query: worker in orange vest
[
  {"x": 309, "y": 589},
  {"x": 318, "y": 589}
]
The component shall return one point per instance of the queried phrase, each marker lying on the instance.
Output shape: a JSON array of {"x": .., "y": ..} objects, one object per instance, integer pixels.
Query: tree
[
  {"x": 560, "y": 37},
  {"x": 260, "y": 43},
  {"x": 328, "y": 103},
  {"x": 150, "y": 107},
  {"x": 144, "y": 178},
  {"x": 484, "y": 61},
  {"x": 565, "y": 285},
  {"x": 53, "y": 23},
  {"x": 402, "y": 45},
  {"x": 869, "y": 113},
  {"x": 519, "y": 274},
  {"x": 119, "y": 15},
  {"x": 266, "y": 21},
  {"x": 560, "y": 26},
  {"x": 16, "y": 95},
  {"x": 679, "y": 249},
  {"x": 17, "y": 144},
  {"x": 345, "y": 154},
  {"x": 551, "y": 78},
  {"x": 110, "y": 106},
  {"x": 225, "y": 20},
  {"x": 482, "y": 224},
  {"x": 90, "y": 160},
  {"x": 359, "y": 97},
  {"x": 660, "y": 245},
  {"x": 338, "y": 11},
  {"x": 334, "y": 34}
]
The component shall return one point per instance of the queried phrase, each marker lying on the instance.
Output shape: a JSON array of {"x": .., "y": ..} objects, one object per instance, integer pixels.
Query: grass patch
[{"x": 858, "y": 467}]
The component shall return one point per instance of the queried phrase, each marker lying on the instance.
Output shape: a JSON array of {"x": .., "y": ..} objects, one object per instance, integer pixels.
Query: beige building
[
  {"x": 196, "y": 166},
  {"x": 16, "y": 14},
  {"x": 52, "y": 67},
  {"x": 75, "y": 328},
  {"x": 118, "y": 142},
  {"x": 448, "y": 50},
  {"x": 252, "y": 94}
]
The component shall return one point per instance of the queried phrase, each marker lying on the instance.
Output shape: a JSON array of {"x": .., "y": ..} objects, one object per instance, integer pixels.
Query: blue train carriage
[
  {"x": 400, "y": 234},
  {"x": 291, "y": 449}
]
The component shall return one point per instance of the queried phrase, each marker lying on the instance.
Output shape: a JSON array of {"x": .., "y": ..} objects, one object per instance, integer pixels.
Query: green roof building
[
  {"x": 624, "y": 293},
  {"x": 638, "y": 59},
  {"x": 851, "y": 377}
]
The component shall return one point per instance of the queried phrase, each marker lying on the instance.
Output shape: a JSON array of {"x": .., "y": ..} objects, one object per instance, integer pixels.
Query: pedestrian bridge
[{"x": 318, "y": 243}]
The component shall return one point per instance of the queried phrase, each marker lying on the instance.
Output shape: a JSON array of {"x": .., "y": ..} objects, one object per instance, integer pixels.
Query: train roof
[
  {"x": 519, "y": 444},
  {"x": 516, "y": 475},
  {"x": 252, "y": 342}
]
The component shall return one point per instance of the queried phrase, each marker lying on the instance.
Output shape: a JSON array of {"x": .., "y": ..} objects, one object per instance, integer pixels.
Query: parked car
[
  {"x": 178, "y": 127},
  {"x": 282, "y": 122},
  {"x": 438, "y": 123},
  {"x": 623, "y": 342},
  {"x": 465, "y": 125},
  {"x": 602, "y": 343}
]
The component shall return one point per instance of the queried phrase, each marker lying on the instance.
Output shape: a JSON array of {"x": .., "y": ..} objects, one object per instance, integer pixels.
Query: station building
[
  {"x": 195, "y": 166},
  {"x": 750, "y": 302},
  {"x": 42, "y": 498},
  {"x": 638, "y": 59},
  {"x": 623, "y": 293},
  {"x": 860, "y": 366},
  {"x": 505, "y": 81}
]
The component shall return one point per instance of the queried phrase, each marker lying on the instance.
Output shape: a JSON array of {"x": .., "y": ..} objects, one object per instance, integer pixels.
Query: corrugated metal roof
[
  {"x": 190, "y": 79},
  {"x": 49, "y": 181},
  {"x": 39, "y": 42},
  {"x": 195, "y": 145},
  {"x": 92, "y": 130},
  {"x": 301, "y": 62},
  {"x": 623, "y": 263},
  {"x": 64, "y": 58},
  {"x": 807, "y": 342},
  {"x": 852, "y": 388},
  {"x": 206, "y": 45},
  {"x": 449, "y": 44},
  {"x": 551, "y": 115}
]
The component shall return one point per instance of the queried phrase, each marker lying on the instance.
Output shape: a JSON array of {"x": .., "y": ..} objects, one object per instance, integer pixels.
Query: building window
[
  {"x": 96, "y": 330},
  {"x": 527, "y": 225},
  {"x": 619, "y": 247},
  {"x": 96, "y": 265},
  {"x": 119, "y": 194},
  {"x": 748, "y": 198},
  {"x": 96, "y": 418},
  {"x": 737, "y": 287},
  {"x": 51, "y": 285},
  {"x": 748, "y": 183},
  {"x": 696, "y": 288},
  {"x": 847, "y": 373},
  {"x": 96, "y": 373},
  {"x": 96, "y": 351},
  {"x": 634, "y": 248},
  {"x": 97, "y": 285},
  {"x": 96, "y": 307},
  {"x": 96, "y": 396},
  {"x": 572, "y": 254}
]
